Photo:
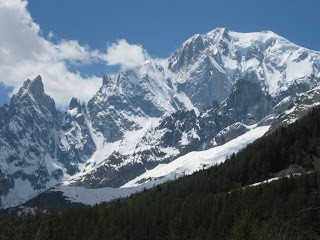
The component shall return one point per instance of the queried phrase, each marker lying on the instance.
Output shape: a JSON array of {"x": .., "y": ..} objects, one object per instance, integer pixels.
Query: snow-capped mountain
[
  {"x": 76, "y": 144},
  {"x": 179, "y": 133},
  {"x": 206, "y": 66},
  {"x": 127, "y": 98},
  {"x": 66, "y": 195},
  {"x": 27, "y": 144},
  {"x": 184, "y": 165},
  {"x": 214, "y": 88},
  {"x": 295, "y": 107}
]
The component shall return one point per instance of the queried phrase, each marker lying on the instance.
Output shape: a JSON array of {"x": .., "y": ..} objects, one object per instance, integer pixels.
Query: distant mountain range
[{"x": 213, "y": 89}]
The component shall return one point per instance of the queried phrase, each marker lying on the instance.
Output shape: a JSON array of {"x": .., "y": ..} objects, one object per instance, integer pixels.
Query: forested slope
[{"x": 211, "y": 204}]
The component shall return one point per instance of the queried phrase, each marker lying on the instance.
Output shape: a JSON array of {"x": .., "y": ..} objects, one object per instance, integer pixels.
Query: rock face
[
  {"x": 38, "y": 144},
  {"x": 27, "y": 142},
  {"x": 230, "y": 132},
  {"x": 76, "y": 144},
  {"x": 294, "y": 107},
  {"x": 247, "y": 103},
  {"x": 174, "y": 136},
  {"x": 127, "y": 97},
  {"x": 207, "y": 66},
  {"x": 211, "y": 90}
]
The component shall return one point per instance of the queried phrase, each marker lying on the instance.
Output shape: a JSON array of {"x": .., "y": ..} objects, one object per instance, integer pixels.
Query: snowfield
[
  {"x": 142, "y": 116},
  {"x": 185, "y": 165}
]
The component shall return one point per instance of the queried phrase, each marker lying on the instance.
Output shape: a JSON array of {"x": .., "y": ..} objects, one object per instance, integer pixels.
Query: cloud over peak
[
  {"x": 124, "y": 54},
  {"x": 24, "y": 54}
]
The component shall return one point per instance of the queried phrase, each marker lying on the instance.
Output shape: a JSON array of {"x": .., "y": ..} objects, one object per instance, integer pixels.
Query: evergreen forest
[{"x": 216, "y": 203}]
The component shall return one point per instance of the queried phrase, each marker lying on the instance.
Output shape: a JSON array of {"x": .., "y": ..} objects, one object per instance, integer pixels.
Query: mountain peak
[
  {"x": 220, "y": 30},
  {"x": 36, "y": 82},
  {"x": 106, "y": 80},
  {"x": 31, "y": 92},
  {"x": 74, "y": 103},
  {"x": 35, "y": 87},
  {"x": 139, "y": 119}
]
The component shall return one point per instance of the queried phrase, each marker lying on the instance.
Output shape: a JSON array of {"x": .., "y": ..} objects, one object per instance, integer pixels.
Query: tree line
[{"x": 214, "y": 203}]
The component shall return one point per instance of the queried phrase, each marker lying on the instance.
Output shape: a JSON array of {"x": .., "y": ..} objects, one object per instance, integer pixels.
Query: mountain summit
[
  {"x": 214, "y": 88},
  {"x": 206, "y": 66}
]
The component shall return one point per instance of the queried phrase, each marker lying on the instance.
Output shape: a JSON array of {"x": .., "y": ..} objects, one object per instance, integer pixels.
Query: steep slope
[
  {"x": 184, "y": 165},
  {"x": 195, "y": 161},
  {"x": 179, "y": 134},
  {"x": 76, "y": 144},
  {"x": 65, "y": 195},
  {"x": 39, "y": 146},
  {"x": 27, "y": 144},
  {"x": 226, "y": 200},
  {"x": 214, "y": 88},
  {"x": 127, "y": 98},
  {"x": 206, "y": 66},
  {"x": 294, "y": 107}
]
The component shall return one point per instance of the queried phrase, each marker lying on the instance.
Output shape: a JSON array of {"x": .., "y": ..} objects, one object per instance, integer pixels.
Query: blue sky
[
  {"x": 161, "y": 26},
  {"x": 158, "y": 26}
]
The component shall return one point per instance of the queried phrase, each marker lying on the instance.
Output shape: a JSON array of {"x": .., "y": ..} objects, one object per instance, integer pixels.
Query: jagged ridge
[{"x": 152, "y": 113}]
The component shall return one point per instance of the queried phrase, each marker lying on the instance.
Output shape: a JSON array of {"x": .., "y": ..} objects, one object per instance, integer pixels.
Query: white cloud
[
  {"x": 24, "y": 53},
  {"x": 125, "y": 54}
]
